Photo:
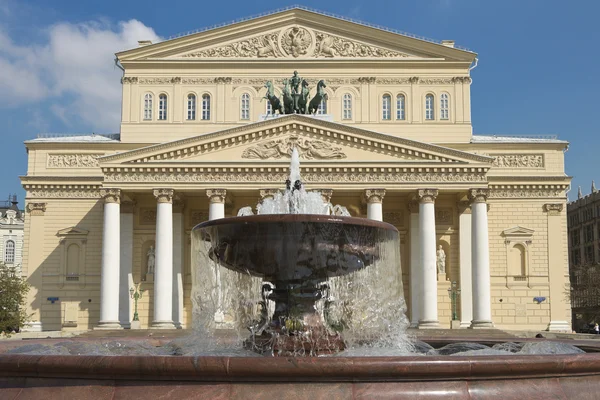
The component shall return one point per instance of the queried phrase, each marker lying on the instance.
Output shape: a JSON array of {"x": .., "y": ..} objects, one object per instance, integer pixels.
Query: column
[
  {"x": 111, "y": 255},
  {"x": 126, "y": 264},
  {"x": 375, "y": 203},
  {"x": 558, "y": 269},
  {"x": 427, "y": 240},
  {"x": 480, "y": 259},
  {"x": 466, "y": 285},
  {"x": 178, "y": 244},
  {"x": 32, "y": 263},
  {"x": 163, "y": 270},
  {"x": 216, "y": 205},
  {"x": 216, "y": 210},
  {"x": 415, "y": 265}
]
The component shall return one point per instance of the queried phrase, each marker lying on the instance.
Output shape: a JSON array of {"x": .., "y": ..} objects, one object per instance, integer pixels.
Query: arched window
[
  {"x": 245, "y": 106},
  {"x": 268, "y": 108},
  {"x": 148, "y": 107},
  {"x": 72, "y": 260},
  {"x": 400, "y": 107},
  {"x": 9, "y": 252},
  {"x": 322, "y": 107},
  {"x": 191, "y": 107},
  {"x": 347, "y": 106},
  {"x": 429, "y": 115},
  {"x": 162, "y": 107},
  {"x": 206, "y": 107},
  {"x": 444, "y": 106},
  {"x": 386, "y": 107}
]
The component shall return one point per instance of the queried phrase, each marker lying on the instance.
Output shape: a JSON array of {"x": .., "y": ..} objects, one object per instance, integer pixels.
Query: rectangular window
[
  {"x": 588, "y": 233},
  {"x": 400, "y": 107},
  {"x": 245, "y": 106},
  {"x": 589, "y": 254},
  {"x": 386, "y": 108},
  {"x": 206, "y": 107},
  {"x": 429, "y": 115},
  {"x": 347, "y": 107},
  {"x": 575, "y": 237},
  {"x": 322, "y": 110},
  {"x": 191, "y": 107},
  {"x": 162, "y": 108},
  {"x": 444, "y": 106},
  {"x": 575, "y": 257}
]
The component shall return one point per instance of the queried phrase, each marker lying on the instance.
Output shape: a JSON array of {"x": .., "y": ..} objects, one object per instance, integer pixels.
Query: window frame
[
  {"x": 245, "y": 110},
  {"x": 347, "y": 107},
  {"x": 386, "y": 112},
  {"x": 148, "y": 110},
  {"x": 12, "y": 253},
  {"x": 194, "y": 109},
  {"x": 206, "y": 107},
  {"x": 403, "y": 108},
  {"x": 429, "y": 107},
  {"x": 445, "y": 106},
  {"x": 163, "y": 104}
]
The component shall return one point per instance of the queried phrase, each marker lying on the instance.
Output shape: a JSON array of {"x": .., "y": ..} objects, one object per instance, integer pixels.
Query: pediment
[
  {"x": 72, "y": 231},
  {"x": 518, "y": 231},
  {"x": 271, "y": 142},
  {"x": 296, "y": 34}
]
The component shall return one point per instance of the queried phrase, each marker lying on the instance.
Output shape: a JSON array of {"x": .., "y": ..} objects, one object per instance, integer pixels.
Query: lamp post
[
  {"x": 136, "y": 294},
  {"x": 454, "y": 292}
]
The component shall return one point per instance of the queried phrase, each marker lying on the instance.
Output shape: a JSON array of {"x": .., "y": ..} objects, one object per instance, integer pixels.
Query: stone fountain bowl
[{"x": 296, "y": 247}]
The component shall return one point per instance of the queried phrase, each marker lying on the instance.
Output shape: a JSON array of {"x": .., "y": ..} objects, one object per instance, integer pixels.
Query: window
[
  {"x": 429, "y": 115},
  {"x": 191, "y": 107},
  {"x": 72, "y": 261},
  {"x": 9, "y": 252},
  {"x": 575, "y": 257},
  {"x": 147, "y": 107},
  {"x": 517, "y": 262},
  {"x": 400, "y": 107},
  {"x": 162, "y": 107},
  {"x": 444, "y": 106},
  {"x": 206, "y": 107},
  {"x": 589, "y": 254},
  {"x": 386, "y": 105},
  {"x": 268, "y": 108},
  {"x": 245, "y": 106},
  {"x": 322, "y": 107},
  {"x": 347, "y": 106},
  {"x": 575, "y": 238},
  {"x": 588, "y": 233}
]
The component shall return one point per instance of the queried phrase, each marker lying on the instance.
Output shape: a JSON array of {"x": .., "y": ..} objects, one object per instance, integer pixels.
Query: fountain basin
[{"x": 478, "y": 377}]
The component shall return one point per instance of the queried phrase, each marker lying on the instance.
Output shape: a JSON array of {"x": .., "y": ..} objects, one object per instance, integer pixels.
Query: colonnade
[{"x": 168, "y": 283}]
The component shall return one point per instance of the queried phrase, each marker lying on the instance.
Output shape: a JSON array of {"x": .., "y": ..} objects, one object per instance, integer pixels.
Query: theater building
[{"x": 392, "y": 140}]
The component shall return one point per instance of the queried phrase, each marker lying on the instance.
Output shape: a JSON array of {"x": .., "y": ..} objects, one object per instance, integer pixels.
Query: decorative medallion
[{"x": 296, "y": 41}]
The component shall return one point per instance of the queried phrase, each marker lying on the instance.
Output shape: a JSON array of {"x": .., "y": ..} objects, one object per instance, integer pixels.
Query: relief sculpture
[
  {"x": 308, "y": 149},
  {"x": 334, "y": 46},
  {"x": 259, "y": 46},
  {"x": 518, "y": 160},
  {"x": 73, "y": 160}
]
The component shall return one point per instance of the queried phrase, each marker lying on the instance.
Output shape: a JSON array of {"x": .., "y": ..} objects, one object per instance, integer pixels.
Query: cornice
[
  {"x": 519, "y": 178},
  {"x": 519, "y": 191},
  {"x": 340, "y": 132}
]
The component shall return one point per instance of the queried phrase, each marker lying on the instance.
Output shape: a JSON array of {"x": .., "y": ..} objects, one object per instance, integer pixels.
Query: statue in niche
[
  {"x": 151, "y": 260},
  {"x": 441, "y": 260}
]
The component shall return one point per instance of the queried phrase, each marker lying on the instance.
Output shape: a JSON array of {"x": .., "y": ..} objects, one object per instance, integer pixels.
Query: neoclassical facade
[{"x": 393, "y": 141}]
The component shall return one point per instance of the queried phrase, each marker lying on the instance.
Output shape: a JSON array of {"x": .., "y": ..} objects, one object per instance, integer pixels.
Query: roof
[
  {"x": 77, "y": 138},
  {"x": 516, "y": 139}
]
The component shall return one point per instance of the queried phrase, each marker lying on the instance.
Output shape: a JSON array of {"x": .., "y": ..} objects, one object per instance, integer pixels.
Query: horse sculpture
[
  {"x": 313, "y": 106},
  {"x": 274, "y": 100},
  {"x": 303, "y": 98}
]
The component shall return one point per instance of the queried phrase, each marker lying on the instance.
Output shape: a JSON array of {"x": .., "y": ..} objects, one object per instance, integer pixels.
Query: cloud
[{"x": 73, "y": 68}]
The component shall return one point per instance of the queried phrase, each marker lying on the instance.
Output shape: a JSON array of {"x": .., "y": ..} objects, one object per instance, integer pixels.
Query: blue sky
[{"x": 537, "y": 72}]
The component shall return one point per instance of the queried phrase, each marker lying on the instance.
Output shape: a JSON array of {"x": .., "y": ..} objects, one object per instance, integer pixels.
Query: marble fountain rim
[{"x": 305, "y": 369}]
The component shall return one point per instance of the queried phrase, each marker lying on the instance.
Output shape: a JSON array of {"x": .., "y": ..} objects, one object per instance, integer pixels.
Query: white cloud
[{"x": 74, "y": 68}]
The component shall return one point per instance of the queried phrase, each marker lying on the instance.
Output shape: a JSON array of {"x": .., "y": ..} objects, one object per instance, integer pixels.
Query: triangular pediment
[
  {"x": 296, "y": 34},
  {"x": 518, "y": 231},
  {"x": 270, "y": 142},
  {"x": 72, "y": 231}
]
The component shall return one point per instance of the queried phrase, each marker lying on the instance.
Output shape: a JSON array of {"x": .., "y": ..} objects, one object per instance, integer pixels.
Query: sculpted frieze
[
  {"x": 518, "y": 160},
  {"x": 259, "y": 46},
  {"x": 198, "y": 81},
  {"x": 65, "y": 193},
  {"x": 308, "y": 149},
  {"x": 436, "y": 81},
  {"x": 72, "y": 160},
  {"x": 335, "y": 46},
  {"x": 309, "y": 177},
  {"x": 525, "y": 193},
  {"x": 156, "y": 80}
]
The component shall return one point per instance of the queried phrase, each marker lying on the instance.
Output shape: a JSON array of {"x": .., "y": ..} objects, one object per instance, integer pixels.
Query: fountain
[
  {"x": 301, "y": 253},
  {"x": 321, "y": 291}
]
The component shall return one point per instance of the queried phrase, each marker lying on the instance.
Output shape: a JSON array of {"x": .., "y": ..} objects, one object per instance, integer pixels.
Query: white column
[
  {"x": 163, "y": 272},
  {"x": 480, "y": 259},
  {"x": 178, "y": 244},
  {"x": 109, "y": 280},
  {"x": 126, "y": 262},
  {"x": 466, "y": 286},
  {"x": 375, "y": 203},
  {"x": 427, "y": 240},
  {"x": 415, "y": 266},
  {"x": 216, "y": 205},
  {"x": 216, "y": 210}
]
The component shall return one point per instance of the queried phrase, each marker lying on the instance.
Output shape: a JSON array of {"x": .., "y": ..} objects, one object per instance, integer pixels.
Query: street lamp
[
  {"x": 136, "y": 294},
  {"x": 454, "y": 292}
]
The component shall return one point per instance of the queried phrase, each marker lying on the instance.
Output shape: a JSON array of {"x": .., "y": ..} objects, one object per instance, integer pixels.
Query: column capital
[
  {"x": 427, "y": 195},
  {"x": 374, "y": 195},
  {"x": 478, "y": 195},
  {"x": 553, "y": 208},
  {"x": 464, "y": 207},
  {"x": 36, "y": 208},
  {"x": 216, "y": 195},
  {"x": 111, "y": 195},
  {"x": 178, "y": 203},
  {"x": 267, "y": 193},
  {"x": 326, "y": 194},
  {"x": 163, "y": 195}
]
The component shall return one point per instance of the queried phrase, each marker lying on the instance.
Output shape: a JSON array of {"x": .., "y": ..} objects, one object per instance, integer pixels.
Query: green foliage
[{"x": 13, "y": 297}]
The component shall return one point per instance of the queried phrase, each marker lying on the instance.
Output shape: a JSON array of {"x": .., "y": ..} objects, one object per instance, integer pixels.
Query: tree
[
  {"x": 585, "y": 294},
  {"x": 13, "y": 297}
]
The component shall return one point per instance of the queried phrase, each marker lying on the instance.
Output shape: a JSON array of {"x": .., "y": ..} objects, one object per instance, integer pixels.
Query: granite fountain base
[{"x": 190, "y": 377}]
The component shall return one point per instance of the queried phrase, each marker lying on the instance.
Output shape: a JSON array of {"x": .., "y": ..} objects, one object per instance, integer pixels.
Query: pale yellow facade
[{"x": 523, "y": 179}]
